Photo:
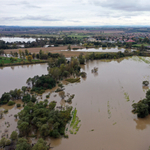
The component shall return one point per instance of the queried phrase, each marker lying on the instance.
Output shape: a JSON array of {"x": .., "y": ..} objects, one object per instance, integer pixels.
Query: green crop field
[
  {"x": 139, "y": 45},
  {"x": 6, "y": 60}
]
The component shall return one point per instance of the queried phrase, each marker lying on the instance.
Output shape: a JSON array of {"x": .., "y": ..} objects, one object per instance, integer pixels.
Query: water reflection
[{"x": 141, "y": 123}]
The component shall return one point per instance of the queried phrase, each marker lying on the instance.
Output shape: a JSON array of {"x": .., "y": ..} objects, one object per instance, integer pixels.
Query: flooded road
[{"x": 103, "y": 102}]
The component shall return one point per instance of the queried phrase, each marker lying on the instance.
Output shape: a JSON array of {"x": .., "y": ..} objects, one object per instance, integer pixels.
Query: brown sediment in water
[{"x": 106, "y": 119}]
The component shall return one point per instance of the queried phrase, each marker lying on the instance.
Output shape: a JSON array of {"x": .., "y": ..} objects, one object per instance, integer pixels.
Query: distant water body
[{"x": 17, "y": 39}]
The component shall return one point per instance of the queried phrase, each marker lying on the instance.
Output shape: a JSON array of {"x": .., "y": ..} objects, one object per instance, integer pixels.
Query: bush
[
  {"x": 6, "y": 111},
  {"x": 66, "y": 136},
  {"x": 18, "y": 105},
  {"x": 59, "y": 90},
  {"x": 10, "y": 103},
  {"x": 73, "y": 80},
  {"x": 47, "y": 96},
  {"x": 41, "y": 91},
  {"x": 146, "y": 83},
  {"x": 83, "y": 74}
]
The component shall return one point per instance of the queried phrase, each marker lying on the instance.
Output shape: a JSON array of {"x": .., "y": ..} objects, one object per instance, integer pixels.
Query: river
[{"x": 103, "y": 102}]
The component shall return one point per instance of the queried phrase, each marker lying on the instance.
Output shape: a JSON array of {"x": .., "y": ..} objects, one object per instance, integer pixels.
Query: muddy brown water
[
  {"x": 16, "y": 76},
  {"x": 103, "y": 102}
]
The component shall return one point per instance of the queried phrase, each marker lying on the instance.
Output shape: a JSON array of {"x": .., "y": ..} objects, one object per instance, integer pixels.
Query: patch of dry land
[{"x": 49, "y": 49}]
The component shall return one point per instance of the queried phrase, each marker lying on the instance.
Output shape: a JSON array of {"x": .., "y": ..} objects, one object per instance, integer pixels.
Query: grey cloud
[
  {"x": 74, "y": 20},
  {"x": 124, "y": 5},
  {"x": 29, "y": 5},
  {"x": 24, "y": 4},
  {"x": 35, "y": 18},
  {"x": 41, "y": 18},
  {"x": 114, "y": 14}
]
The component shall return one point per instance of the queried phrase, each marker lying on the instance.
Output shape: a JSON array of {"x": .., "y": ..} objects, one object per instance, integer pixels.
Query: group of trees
[
  {"x": 13, "y": 95},
  {"x": 3, "y": 45},
  {"x": 44, "y": 118},
  {"x": 61, "y": 68},
  {"x": 94, "y": 56},
  {"x": 27, "y": 55},
  {"x": 40, "y": 84},
  {"x": 1, "y": 52},
  {"x": 142, "y": 108},
  {"x": 22, "y": 143},
  {"x": 40, "y": 42}
]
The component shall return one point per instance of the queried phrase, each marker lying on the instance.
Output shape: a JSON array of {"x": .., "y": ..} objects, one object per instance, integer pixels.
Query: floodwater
[
  {"x": 102, "y": 49},
  {"x": 16, "y": 76},
  {"x": 17, "y": 39},
  {"x": 103, "y": 102}
]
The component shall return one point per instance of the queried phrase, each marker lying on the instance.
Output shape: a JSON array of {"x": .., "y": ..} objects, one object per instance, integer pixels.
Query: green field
[
  {"x": 139, "y": 45},
  {"x": 5, "y": 61}
]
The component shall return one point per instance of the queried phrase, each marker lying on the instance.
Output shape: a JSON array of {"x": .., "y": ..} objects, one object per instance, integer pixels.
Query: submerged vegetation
[
  {"x": 73, "y": 80},
  {"x": 74, "y": 125},
  {"x": 126, "y": 97}
]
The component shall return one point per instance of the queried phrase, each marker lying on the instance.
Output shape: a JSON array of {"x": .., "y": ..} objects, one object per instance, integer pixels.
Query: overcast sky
[{"x": 74, "y": 12}]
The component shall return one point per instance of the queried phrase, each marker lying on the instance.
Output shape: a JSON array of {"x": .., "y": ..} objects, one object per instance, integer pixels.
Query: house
[
  {"x": 131, "y": 41},
  {"x": 91, "y": 40}
]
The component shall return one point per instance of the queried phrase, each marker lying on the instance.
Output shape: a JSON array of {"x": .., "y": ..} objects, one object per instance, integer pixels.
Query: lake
[{"x": 103, "y": 101}]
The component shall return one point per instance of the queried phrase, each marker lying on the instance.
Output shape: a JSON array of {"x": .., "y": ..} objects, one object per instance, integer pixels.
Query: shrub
[
  {"x": 6, "y": 111},
  {"x": 10, "y": 103},
  {"x": 73, "y": 80},
  {"x": 47, "y": 96},
  {"x": 59, "y": 90},
  {"x": 41, "y": 91},
  {"x": 146, "y": 83},
  {"x": 18, "y": 105},
  {"x": 83, "y": 74},
  {"x": 66, "y": 136}
]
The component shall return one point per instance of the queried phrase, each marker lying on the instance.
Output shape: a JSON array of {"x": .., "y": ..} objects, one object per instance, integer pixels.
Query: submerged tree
[
  {"x": 23, "y": 144},
  {"x": 40, "y": 145}
]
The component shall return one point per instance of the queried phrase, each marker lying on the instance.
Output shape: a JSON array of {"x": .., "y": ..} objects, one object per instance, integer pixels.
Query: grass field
[
  {"x": 139, "y": 45},
  {"x": 6, "y": 60}
]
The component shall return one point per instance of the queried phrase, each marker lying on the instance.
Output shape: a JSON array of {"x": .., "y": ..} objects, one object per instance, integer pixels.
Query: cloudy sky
[{"x": 74, "y": 12}]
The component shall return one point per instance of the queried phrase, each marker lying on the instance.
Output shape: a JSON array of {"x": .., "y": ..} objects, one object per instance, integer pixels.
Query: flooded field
[
  {"x": 103, "y": 104},
  {"x": 17, "y": 39},
  {"x": 101, "y": 49},
  {"x": 16, "y": 76}
]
